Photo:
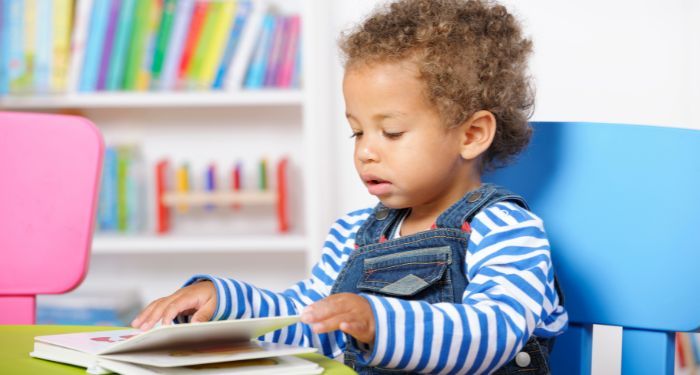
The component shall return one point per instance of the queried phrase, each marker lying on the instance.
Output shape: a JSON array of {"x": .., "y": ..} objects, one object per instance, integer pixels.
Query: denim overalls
[{"x": 427, "y": 266}]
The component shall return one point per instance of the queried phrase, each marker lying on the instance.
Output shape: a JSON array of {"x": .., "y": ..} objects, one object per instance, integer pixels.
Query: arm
[
  {"x": 239, "y": 300},
  {"x": 510, "y": 296}
]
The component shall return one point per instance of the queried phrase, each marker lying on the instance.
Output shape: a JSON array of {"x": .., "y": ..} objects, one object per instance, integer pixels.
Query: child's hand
[
  {"x": 198, "y": 298},
  {"x": 347, "y": 312}
]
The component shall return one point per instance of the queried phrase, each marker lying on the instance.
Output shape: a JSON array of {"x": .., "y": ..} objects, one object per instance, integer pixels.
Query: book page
[
  {"x": 288, "y": 365},
  {"x": 209, "y": 353}
]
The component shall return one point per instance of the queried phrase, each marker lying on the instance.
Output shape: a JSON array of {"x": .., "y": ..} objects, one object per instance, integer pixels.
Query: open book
[{"x": 223, "y": 347}]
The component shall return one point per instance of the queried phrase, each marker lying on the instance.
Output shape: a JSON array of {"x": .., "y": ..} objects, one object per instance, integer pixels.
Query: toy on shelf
[{"x": 182, "y": 198}]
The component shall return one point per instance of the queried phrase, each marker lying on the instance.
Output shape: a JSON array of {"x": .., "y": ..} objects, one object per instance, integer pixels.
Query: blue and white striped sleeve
[
  {"x": 510, "y": 297},
  {"x": 239, "y": 300}
]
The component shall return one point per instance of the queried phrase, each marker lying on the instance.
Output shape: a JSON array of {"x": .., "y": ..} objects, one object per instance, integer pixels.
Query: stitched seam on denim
[
  {"x": 384, "y": 246},
  {"x": 425, "y": 252},
  {"x": 373, "y": 270}
]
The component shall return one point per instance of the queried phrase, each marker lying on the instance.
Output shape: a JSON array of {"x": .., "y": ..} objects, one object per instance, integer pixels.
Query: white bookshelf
[
  {"x": 205, "y": 126},
  {"x": 253, "y": 98},
  {"x": 178, "y": 244}
]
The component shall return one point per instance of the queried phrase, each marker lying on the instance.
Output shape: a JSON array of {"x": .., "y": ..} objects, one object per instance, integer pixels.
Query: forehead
[{"x": 387, "y": 85}]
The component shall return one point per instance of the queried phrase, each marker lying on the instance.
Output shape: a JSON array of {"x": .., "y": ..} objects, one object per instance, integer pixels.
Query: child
[{"x": 446, "y": 274}]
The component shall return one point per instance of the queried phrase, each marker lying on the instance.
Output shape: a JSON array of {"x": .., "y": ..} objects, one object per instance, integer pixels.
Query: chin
[{"x": 394, "y": 203}]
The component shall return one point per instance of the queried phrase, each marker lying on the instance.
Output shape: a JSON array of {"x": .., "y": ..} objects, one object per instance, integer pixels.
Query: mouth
[{"x": 376, "y": 185}]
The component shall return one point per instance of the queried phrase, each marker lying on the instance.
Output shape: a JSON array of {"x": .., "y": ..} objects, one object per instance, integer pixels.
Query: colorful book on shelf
[
  {"x": 145, "y": 75},
  {"x": 212, "y": 56},
  {"x": 297, "y": 72},
  {"x": 137, "y": 45},
  {"x": 78, "y": 43},
  {"x": 107, "y": 207},
  {"x": 255, "y": 78},
  {"x": 62, "y": 26},
  {"x": 25, "y": 83},
  {"x": 276, "y": 45},
  {"x": 291, "y": 49},
  {"x": 176, "y": 46},
  {"x": 249, "y": 38},
  {"x": 43, "y": 62},
  {"x": 243, "y": 10},
  {"x": 93, "y": 51},
  {"x": 108, "y": 46},
  {"x": 180, "y": 348},
  {"x": 196, "y": 25},
  {"x": 4, "y": 44},
  {"x": 14, "y": 26},
  {"x": 115, "y": 72},
  {"x": 203, "y": 45},
  {"x": 162, "y": 41}
]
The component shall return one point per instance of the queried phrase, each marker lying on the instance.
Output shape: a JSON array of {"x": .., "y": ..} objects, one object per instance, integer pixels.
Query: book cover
[
  {"x": 164, "y": 32},
  {"x": 78, "y": 43},
  {"x": 62, "y": 26},
  {"x": 170, "y": 346},
  {"x": 108, "y": 46},
  {"x": 93, "y": 53},
  {"x": 115, "y": 72},
  {"x": 279, "y": 36},
  {"x": 44, "y": 46},
  {"x": 4, "y": 48},
  {"x": 183, "y": 16},
  {"x": 296, "y": 75},
  {"x": 137, "y": 44},
  {"x": 107, "y": 207},
  {"x": 256, "y": 71},
  {"x": 196, "y": 24},
  {"x": 249, "y": 39},
  {"x": 123, "y": 165},
  {"x": 145, "y": 75},
  {"x": 212, "y": 56},
  {"x": 25, "y": 83},
  {"x": 203, "y": 44},
  {"x": 242, "y": 13},
  {"x": 284, "y": 78},
  {"x": 15, "y": 46}
]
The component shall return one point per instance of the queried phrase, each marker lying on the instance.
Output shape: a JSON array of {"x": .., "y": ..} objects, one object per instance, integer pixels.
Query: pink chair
[{"x": 49, "y": 177}]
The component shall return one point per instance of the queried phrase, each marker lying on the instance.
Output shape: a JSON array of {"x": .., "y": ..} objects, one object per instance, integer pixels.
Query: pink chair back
[{"x": 49, "y": 177}]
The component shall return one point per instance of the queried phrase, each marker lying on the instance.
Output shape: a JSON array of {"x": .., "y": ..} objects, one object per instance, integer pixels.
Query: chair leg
[
  {"x": 647, "y": 352},
  {"x": 17, "y": 309},
  {"x": 572, "y": 351}
]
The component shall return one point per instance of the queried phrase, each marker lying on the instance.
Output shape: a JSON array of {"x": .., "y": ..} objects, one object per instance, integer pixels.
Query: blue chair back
[{"x": 621, "y": 205}]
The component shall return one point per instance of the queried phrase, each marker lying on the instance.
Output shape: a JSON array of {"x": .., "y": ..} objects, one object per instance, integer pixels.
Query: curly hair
[{"x": 471, "y": 55}]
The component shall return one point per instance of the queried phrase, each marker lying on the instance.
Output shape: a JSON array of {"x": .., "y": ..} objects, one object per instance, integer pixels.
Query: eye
[
  {"x": 356, "y": 134},
  {"x": 393, "y": 135}
]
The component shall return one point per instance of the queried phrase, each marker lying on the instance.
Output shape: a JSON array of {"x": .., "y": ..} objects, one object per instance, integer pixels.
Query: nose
[{"x": 365, "y": 151}]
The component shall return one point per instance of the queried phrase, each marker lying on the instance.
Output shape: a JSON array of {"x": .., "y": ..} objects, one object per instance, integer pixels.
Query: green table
[{"x": 17, "y": 341}]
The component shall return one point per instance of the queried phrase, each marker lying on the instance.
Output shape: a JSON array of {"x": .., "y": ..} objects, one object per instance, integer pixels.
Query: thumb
[{"x": 205, "y": 313}]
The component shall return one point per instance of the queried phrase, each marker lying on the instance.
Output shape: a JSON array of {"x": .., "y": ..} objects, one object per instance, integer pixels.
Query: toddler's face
[{"x": 404, "y": 154}]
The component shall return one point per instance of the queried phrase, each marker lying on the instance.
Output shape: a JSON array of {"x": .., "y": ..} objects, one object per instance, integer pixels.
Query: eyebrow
[{"x": 380, "y": 116}]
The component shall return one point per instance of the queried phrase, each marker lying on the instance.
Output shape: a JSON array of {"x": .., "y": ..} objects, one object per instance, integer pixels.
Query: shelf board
[
  {"x": 142, "y": 244},
  {"x": 269, "y": 97}
]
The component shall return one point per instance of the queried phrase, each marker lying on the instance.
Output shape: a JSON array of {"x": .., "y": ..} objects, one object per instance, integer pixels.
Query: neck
[{"x": 422, "y": 217}]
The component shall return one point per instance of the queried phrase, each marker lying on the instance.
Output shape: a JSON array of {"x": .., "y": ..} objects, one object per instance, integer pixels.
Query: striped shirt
[{"x": 510, "y": 297}]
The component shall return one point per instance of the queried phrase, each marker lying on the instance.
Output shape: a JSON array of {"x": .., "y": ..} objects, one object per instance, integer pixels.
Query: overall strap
[
  {"x": 471, "y": 203},
  {"x": 378, "y": 223}
]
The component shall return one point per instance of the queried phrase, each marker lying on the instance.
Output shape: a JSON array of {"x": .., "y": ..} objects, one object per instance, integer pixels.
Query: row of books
[
  {"x": 53, "y": 46},
  {"x": 122, "y": 195}
]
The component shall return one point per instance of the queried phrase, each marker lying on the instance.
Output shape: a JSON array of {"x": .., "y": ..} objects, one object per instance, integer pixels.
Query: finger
[
  {"x": 143, "y": 315},
  {"x": 331, "y": 324},
  {"x": 177, "y": 306},
  {"x": 323, "y": 309},
  {"x": 205, "y": 313}
]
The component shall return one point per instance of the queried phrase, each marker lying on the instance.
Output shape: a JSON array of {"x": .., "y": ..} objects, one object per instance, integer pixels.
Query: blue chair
[{"x": 621, "y": 204}]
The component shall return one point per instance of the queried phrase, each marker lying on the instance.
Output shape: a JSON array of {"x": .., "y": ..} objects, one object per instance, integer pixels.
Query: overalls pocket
[{"x": 419, "y": 274}]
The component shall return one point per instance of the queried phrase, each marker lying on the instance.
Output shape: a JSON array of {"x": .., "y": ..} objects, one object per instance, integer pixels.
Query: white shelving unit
[{"x": 201, "y": 127}]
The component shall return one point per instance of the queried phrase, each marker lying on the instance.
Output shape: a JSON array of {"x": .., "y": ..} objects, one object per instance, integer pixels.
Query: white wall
[{"x": 617, "y": 61}]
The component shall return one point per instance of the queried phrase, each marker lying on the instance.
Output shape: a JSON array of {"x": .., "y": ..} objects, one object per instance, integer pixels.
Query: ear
[{"x": 477, "y": 134}]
